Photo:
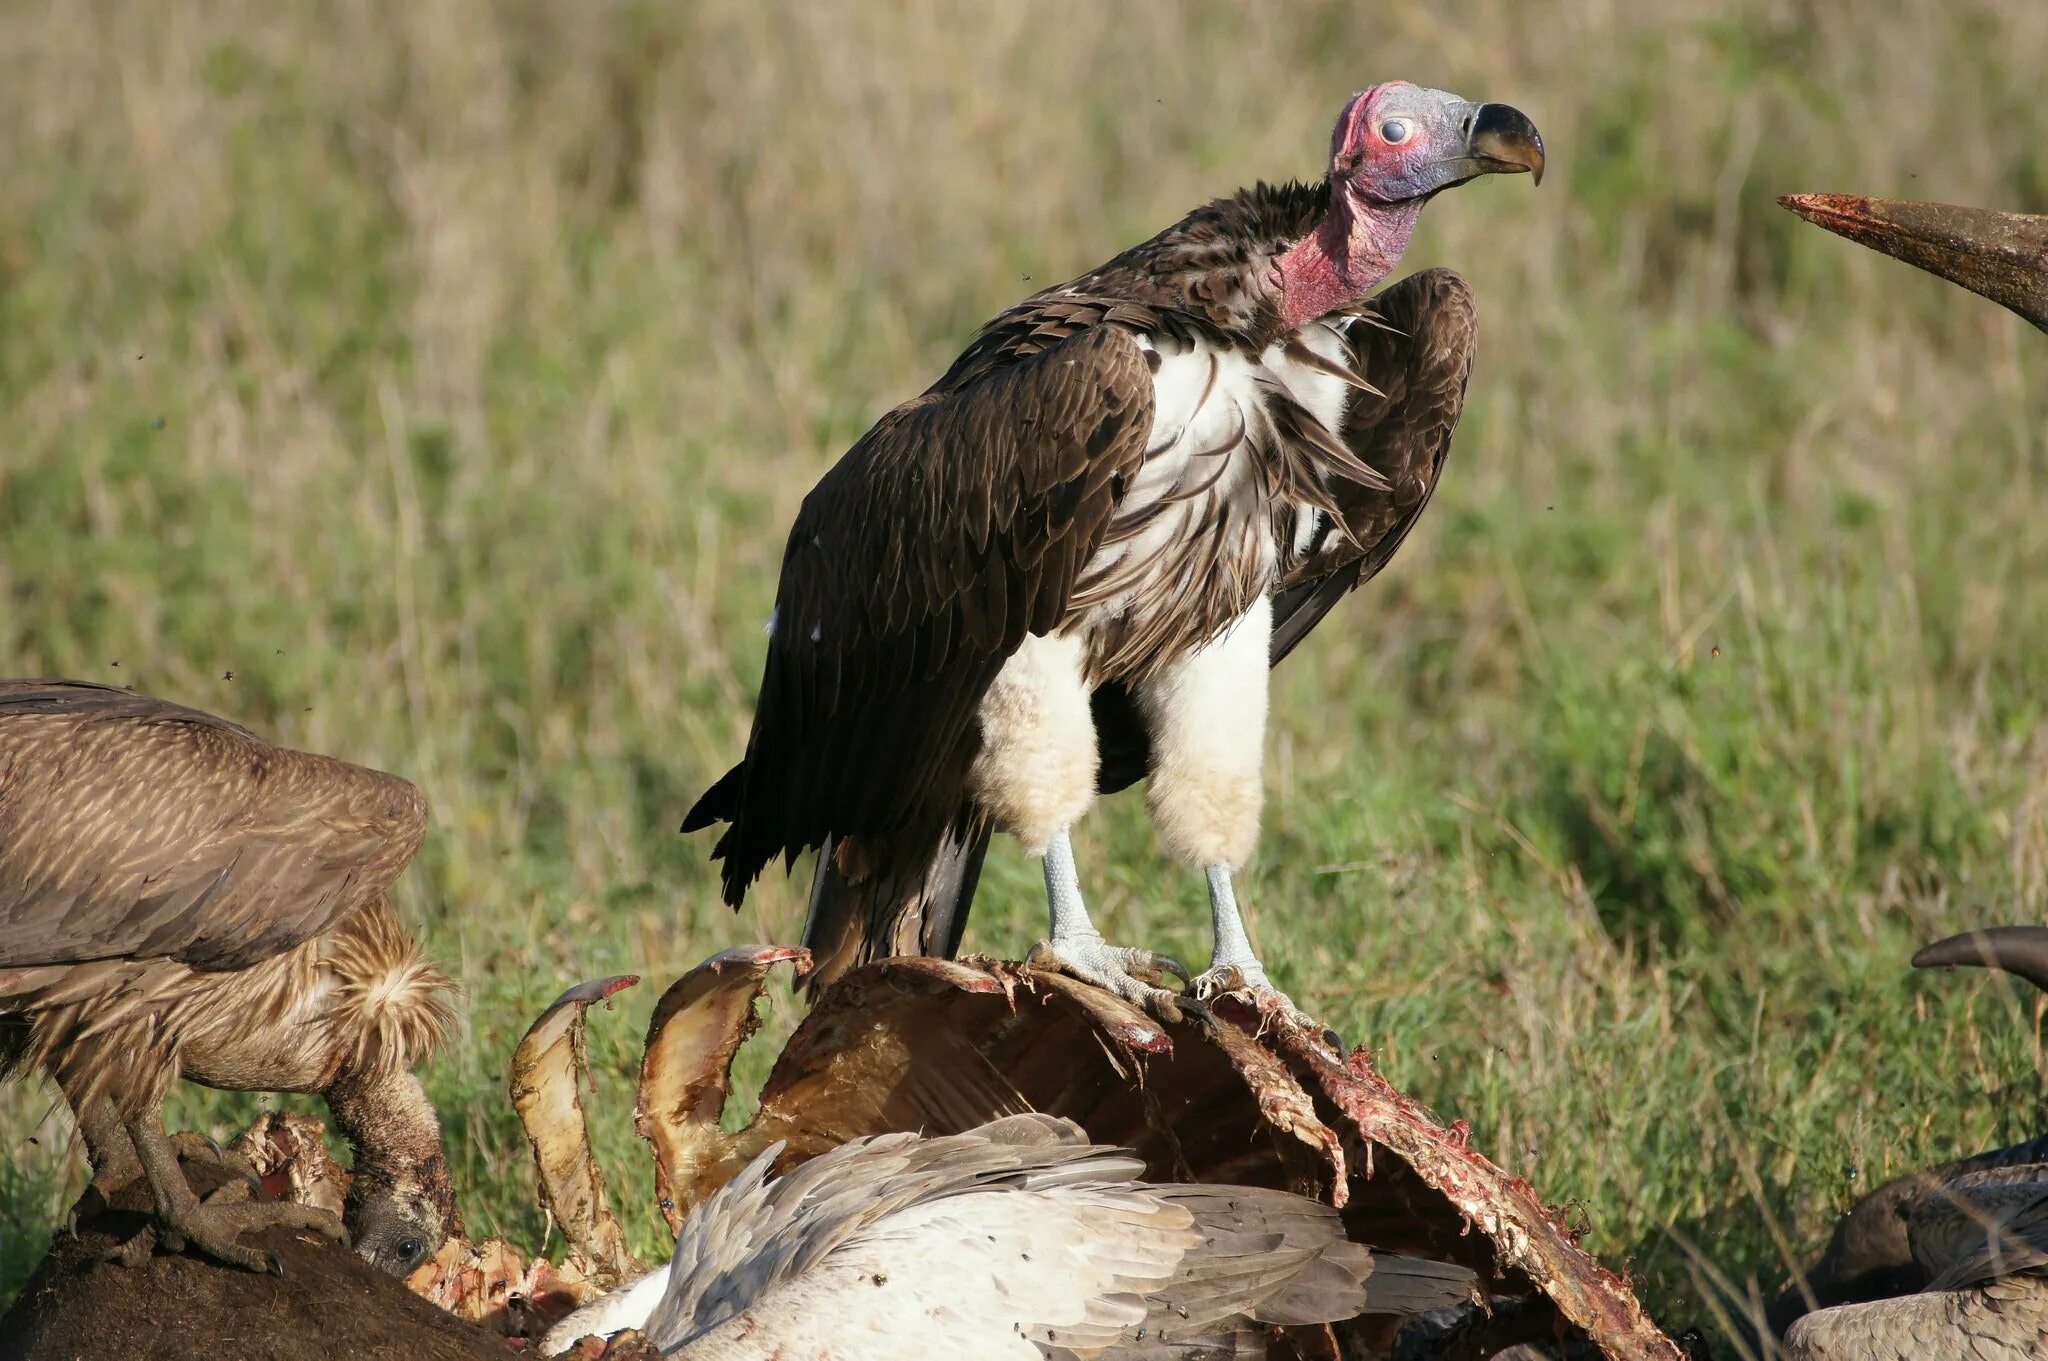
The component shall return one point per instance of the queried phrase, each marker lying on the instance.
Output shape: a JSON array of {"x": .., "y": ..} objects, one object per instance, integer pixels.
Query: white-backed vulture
[
  {"x": 1071, "y": 561},
  {"x": 179, "y": 898},
  {"x": 1017, "y": 1239}
]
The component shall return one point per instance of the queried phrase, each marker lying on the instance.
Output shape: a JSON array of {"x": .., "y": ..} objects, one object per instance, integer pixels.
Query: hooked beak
[
  {"x": 2019, "y": 950},
  {"x": 2000, "y": 256},
  {"x": 1499, "y": 140}
]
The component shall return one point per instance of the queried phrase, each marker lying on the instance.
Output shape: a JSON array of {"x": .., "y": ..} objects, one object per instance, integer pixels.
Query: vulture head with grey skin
[
  {"x": 179, "y": 898},
  {"x": 1069, "y": 564}
]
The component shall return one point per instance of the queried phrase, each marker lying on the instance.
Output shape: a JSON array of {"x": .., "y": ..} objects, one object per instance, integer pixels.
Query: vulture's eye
[{"x": 1394, "y": 131}]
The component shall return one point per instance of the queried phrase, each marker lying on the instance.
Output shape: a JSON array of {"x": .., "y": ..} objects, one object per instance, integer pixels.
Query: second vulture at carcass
[
  {"x": 180, "y": 898},
  {"x": 1942, "y": 1265}
]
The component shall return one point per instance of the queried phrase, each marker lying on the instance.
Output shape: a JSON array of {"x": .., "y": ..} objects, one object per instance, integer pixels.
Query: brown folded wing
[
  {"x": 132, "y": 828},
  {"x": 953, "y": 529}
]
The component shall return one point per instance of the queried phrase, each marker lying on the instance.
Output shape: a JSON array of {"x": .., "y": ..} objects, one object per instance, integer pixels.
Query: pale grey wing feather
[
  {"x": 1982, "y": 1225},
  {"x": 1282, "y": 1259},
  {"x": 989, "y": 1273},
  {"x": 753, "y": 1236},
  {"x": 1018, "y": 1238}
]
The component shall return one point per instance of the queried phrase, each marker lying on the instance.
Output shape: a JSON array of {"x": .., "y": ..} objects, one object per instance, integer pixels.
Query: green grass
[{"x": 431, "y": 385}]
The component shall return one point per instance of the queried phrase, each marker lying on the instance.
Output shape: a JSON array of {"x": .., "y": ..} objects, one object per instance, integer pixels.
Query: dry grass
[{"x": 430, "y": 384}]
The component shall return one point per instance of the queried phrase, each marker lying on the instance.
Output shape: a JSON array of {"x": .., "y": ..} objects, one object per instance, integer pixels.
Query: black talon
[
  {"x": 276, "y": 1263},
  {"x": 1168, "y": 964}
]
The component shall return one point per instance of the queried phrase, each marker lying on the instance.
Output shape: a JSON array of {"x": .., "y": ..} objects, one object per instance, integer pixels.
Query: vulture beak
[
  {"x": 1489, "y": 139},
  {"x": 2021, "y": 950},
  {"x": 2002, "y": 256},
  {"x": 1503, "y": 140}
]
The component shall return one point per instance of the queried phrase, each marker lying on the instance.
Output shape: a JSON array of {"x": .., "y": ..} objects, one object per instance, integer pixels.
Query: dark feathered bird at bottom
[{"x": 1949, "y": 1263}]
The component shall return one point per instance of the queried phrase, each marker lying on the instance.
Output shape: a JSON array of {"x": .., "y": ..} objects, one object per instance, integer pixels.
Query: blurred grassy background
[{"x": 432, "y": 385}]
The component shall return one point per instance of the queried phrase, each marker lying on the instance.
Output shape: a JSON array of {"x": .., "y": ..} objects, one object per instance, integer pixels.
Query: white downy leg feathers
[
  {"x": 1035, "y": 775},
  {"x": 1206, "y": 714}
]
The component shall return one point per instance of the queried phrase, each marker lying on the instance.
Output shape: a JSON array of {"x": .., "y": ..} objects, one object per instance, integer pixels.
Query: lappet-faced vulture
[
  {"x": 1069, "y": 564},
  {"x": 1950, "y": 1264},
  {"x": 179, "y": 898}
]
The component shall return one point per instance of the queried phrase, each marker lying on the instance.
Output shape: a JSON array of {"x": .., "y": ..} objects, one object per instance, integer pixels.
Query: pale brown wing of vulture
[
  {"x": 132, "y": 828},
  {"x": 953, "y": 529},
  {"x": 1415, "y": 343}
]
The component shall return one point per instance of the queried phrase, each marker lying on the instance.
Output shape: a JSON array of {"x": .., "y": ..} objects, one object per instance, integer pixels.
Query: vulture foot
[
  {"x": 214, "y": 1225},
  {"x": 1218, "y": 979},
  {"x": 1129, "y": 971},
  {"x": 1249, "y": 982},
  {"x": 191, "y": 1147}
]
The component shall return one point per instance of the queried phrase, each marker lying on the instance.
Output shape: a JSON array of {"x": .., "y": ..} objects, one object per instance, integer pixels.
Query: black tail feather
[
  {"x": 918, "y": 908},
  {"x": 720, "y": 803}
]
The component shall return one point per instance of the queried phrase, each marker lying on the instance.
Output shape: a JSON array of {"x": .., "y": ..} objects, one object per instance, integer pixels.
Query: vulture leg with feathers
[
  {"x": 1946, "y": 1263},
  {"x": 178, "y": 898},
  {"x": 1071, "y": 562}
]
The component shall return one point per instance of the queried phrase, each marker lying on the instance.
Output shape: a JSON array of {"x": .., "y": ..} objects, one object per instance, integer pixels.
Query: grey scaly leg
[
  {"x": 1076, "y": 948},
  {"x": 1236, "y": 969},
  {"x": 1233, "y": 946},
  {"x": 1070, "y": 921}
]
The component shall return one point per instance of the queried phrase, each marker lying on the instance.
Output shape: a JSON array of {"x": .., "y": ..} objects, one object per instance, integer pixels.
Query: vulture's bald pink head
[{"x": 1394, "y": 147}]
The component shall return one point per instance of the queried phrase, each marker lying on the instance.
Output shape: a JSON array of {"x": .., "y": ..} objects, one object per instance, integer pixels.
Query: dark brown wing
[
  {"x": 132, "y": 828},
  {"x": 1415, "y": 343},
  {"x": 1868, "y": 1257},
  {"x": 920, "y": 562}
]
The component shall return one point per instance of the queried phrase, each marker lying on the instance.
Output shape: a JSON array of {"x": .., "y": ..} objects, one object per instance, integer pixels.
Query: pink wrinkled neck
[{"x": 1339, "y": 263}]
